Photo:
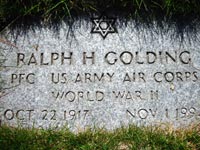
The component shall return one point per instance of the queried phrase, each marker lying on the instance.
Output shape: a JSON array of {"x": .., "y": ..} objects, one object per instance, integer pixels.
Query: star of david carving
[{"x": 103, "y": 25}]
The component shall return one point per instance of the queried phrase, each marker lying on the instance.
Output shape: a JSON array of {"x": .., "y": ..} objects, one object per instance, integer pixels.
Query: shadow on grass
[{"x": 124, "y": 138}]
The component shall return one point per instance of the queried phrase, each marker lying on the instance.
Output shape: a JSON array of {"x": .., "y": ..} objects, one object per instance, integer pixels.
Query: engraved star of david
[{"x": 103, "y": 25}]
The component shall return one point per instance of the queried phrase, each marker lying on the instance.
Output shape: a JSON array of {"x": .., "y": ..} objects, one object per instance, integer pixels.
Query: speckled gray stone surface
[{"x": 142, "y": 77}]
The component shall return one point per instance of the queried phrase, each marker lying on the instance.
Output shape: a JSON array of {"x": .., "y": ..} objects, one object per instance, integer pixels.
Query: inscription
[
  {"x": 53, "y": 115},
  {"x": 140, "y": 77},
  {"x": 48, "y": 115},
  {"x": 21, "y": 114},
  {"x": 176, "y": 76},
  {"x": 186, "y": 112},
  {"x": 62, "y": 78},
  {"x": 176, "y": 113},
  {"x": 22, "y": 77},
  {"x": 45, "y": 114},
  {"x": 142, "y": 113},
  {"x": 75, "y": 86},
  {"x": 72, "y": 96},
  {"x": 136, "y": 95},
  {"x": 76, "y": 114},
  {"x": 128, "y": 57},
  {"x": 111, "y": 58}
]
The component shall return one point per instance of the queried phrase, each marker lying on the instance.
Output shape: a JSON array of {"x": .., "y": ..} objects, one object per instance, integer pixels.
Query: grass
[
  {"x": 20, "y": 13},
  {"x": 133, "y": 138}
]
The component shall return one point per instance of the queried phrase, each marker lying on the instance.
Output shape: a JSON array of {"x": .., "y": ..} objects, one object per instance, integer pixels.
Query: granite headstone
[{"x": 99, "y": 75}]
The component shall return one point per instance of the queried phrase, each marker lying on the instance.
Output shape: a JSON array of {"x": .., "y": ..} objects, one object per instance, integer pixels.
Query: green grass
[
  {"x": 15, "y": 13},
  {"x": 133, "y": 138}
]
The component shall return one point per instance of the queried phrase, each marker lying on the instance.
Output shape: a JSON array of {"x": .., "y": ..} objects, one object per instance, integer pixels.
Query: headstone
[{"x": 101, "y": 74}]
